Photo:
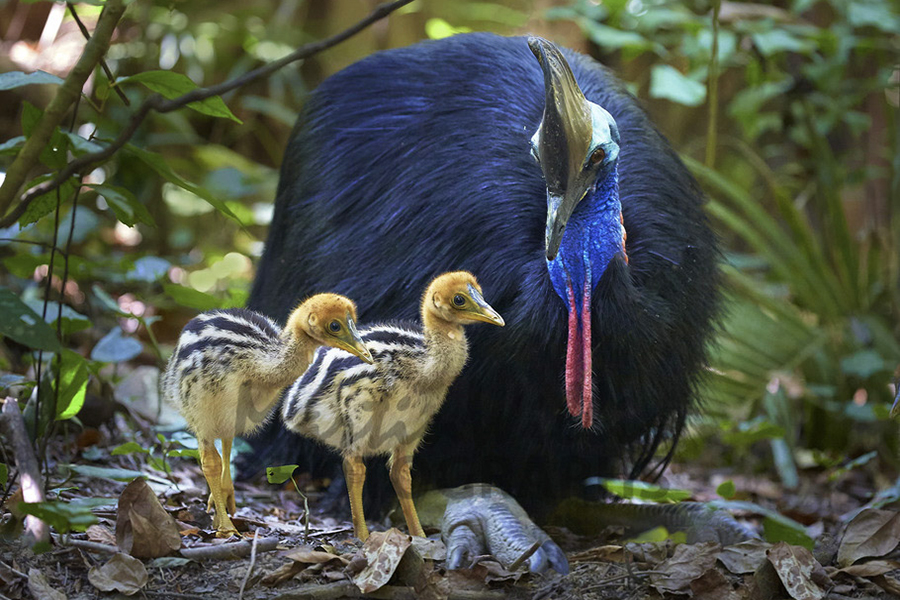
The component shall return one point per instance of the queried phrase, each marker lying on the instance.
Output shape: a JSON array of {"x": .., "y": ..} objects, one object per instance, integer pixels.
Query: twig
[
  {"x": 252, "y": 564},
  {"x": 224, "y": 551},
  {"x": 329, "y": 532},
  {"x": 159, "y": 104},
  {"x": 66, "y": 95},
  {"x": 103, "y": 64},
  {"x": 86, "y": 545},
  {"x": 27, "y": 465},
  {"x": 525, "y": 556}
]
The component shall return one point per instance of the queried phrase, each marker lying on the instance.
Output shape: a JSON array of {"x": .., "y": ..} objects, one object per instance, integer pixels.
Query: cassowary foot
[{"x": 482, "y": 519}]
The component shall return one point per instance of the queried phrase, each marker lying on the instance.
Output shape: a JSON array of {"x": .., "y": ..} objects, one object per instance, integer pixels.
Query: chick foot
[{"x": 482, "y": 519}]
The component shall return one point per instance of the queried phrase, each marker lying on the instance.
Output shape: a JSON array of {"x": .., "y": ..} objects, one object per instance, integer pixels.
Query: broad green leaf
[
  {"x": 726, "y": 489},
  {"x": 12, "y": 145},
  {"x": 185, "y": 453},
  {"x": 80, "y": 146},
  {"x": 18, "y": 322},
  {"x": 63, "y": 516},
  {"x": 72, "y": 385},
  {"x": 874, "y": 14},
  {"x": 16, "y": 79},
  {"x": 158, "y": 164},
  {"x": 105, "y": 472},
  {"x": 129, "y": 448},
  {"x": 611, "y": 38},
  {"x": 625, "y": 488},
  {"x": 172, "y": 85},
  {"x": 44, "y": 204},
  {"x": 149, "y": 269},
  {"x": 108, "y": 301},
  {"x": 31, "y": 115},
  {"x": 864, "y": 364},
  {"x": 668, "y": 82},
  {"x": 774, "y": 41},
  {"x": 782, "y": 529},
  {"x": 72, "y": 321},
  {"x": 56, "y": 153},
  {"x": 124, "y": 205},
  {"x": 116, "y": 348},
  {"x": 280, "y": 474},
  {"x": 191, "y": 298},
  {"x": 9, "y": 379}
]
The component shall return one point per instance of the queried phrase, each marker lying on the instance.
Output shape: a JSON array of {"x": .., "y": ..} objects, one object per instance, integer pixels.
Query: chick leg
[
  {"x": 227, "y": 483},
  {"x": 402, "y": 481},
  {"x": 211, "y": 463},
  {"x": 355, "y": 475}
]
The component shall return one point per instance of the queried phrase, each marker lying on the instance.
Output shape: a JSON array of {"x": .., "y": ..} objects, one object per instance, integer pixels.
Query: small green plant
[{"x": 279, "y": 475}]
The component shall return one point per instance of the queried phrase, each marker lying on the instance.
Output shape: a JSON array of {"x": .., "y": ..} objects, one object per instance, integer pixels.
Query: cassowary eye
[
  {"x": 334, "y": 326},
  {"x": 458, "y": 300},
  {"x": 597, "y": 156}
]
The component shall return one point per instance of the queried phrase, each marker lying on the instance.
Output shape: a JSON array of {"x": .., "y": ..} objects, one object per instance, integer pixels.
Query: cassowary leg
[
  {"x": 482, "y": 519},
  {"x": 211, "y": 463},
  {"x": 402, "y": 480},
  {"x": 355, "y": 476},
  {"x": 227, "y": 483}
]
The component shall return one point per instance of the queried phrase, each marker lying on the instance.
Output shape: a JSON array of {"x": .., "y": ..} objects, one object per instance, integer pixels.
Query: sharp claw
[
  {"x": 557, "y": 558},
  {"x": 538, "y": 561},
  {"x": 462, "y": 544}
]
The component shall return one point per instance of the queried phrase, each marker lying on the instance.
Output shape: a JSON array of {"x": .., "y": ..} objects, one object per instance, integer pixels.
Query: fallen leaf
[
  {"x": 744, "y": 557},
  {"x": 143, "y": 527},
  {"x": 101, "y": 535},
  {"x": 282, "y": 573},
  {"x": 314, "y": 556},
  {"x": 491, "y": 571},
  {"x": 873, "y": 568},
  {"x": 688, "y": 563},
  {"x": 600, "y": 554},
  {"x": 121, "y": 573},
  {"x": 383, "y": 552},
  {"x": 712, "y": 585},
  {"x": 796, "y": 569},
  {"x": 889, "y": 582},
  {"x": 429, "y": 549},
  {"x": 870, "y": 533},
  {"x": 40, "y": 588}
]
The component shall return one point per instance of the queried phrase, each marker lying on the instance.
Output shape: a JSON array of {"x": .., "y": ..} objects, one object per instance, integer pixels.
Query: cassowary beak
[
  {"x": 482, "y": 311},
  {"x": 562, "y": 141},
  {"x": 352, "y": 342}
]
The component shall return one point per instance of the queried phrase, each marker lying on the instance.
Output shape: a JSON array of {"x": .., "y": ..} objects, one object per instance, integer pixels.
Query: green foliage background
[{"x": 785, "y": 112}]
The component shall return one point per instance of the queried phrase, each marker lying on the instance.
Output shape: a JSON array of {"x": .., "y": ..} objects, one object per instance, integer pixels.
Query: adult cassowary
[{"x": 550, "y": 184}]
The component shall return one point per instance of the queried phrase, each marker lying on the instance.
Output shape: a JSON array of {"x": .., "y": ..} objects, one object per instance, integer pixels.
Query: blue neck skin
[{"x": 593, "y": 235}]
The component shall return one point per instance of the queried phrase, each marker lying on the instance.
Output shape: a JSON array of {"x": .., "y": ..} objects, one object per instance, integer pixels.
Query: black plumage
[{"x": 416, "y": 161}]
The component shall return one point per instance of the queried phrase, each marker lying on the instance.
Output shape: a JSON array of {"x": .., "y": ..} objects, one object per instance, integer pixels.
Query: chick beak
[
  {"x": 353, "y": 343},
  {"x": 483, "y": 311}
]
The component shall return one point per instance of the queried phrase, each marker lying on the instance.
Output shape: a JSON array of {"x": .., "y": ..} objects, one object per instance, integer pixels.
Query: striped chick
[
  {"x": 385, "y": 407},
  {"x": 229, "y": 367}
]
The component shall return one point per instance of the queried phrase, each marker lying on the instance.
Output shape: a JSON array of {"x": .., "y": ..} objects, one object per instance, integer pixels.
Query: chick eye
[
  {"x": 334, "y": 326},
  {"x": 458, "y": 300},
  {"x": 598, "y": 156}
]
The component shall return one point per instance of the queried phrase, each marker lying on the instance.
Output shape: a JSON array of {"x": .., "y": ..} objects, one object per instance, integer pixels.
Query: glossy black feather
[{"x": 416, "y": 161}]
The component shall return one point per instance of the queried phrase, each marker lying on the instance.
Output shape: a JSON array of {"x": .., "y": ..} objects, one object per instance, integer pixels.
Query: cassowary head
[{"x": 577, "y": 147}]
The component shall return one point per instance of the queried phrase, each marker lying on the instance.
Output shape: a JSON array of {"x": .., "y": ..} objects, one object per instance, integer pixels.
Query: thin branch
[
  {"x": 103, "y": 64},
  {"x": 161, "y": 105},
  {"x": 252, "y": 564},
  {"x": 66, "y": 95},
  {"x": 27, "y": 465}
]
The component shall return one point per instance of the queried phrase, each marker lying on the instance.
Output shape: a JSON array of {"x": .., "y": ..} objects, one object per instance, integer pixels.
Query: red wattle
[
  {"x": 587, "y": 391},
  {"x": 574, "y": 360}
]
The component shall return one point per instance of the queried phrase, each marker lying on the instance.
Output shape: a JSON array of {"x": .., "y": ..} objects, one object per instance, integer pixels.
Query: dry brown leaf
[
  {"x": 797, "y": 569},
  {"x": 688, "y": 563},
  {"x": 889, "y": 582},
  {"x": 383, "y": 552},
  {"x": 122, "y": 573},
  {"x": 744, "y": 557},
  {"x": 101, "y": 534},
  {"x": 873, "y": 568},
  {"x": 870, "y": 533},
  {"x": 143, "y": 527},
  {"x": 40, "y": 588},
  {"x": 313, "y": 557},
  {"x": 712, "y": 585},
  {"x": 282, "y": 573},
  {"x": 429, "y": 549},
  {"x": 609, "y": 553}
]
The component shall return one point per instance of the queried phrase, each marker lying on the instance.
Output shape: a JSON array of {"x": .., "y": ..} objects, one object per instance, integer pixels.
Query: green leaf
[
  {"x": 17, "y": 79},
  {"x": 668, "y": 82},
  {"x": 874, "y": 14},
  {"x": 56, "y": 153},
  {"x": 12, "y": 145},
  {"x": 20, "y": 323},
  {"x": 63, "y": 516},
  {"x": 4, "y": 475},
  {"x": 726, "y": 490},
  {"x": 129, "y": 448},
  {"x": 149, "y": 269},
  {"x": 626, "y": 488},
  {"x": 31, "y": 115},
  {"x": 158, "y": 164},
  {"x": 105, "y": 472},
  {"x": 72, "y": 321},
  {"x": 782, "y": 529},
  {"x": 280, "y": 474},
  {"x": 611, "y": 38},
  {"x": 44, "y": 204},
  {"x": 72, "y": 385},
  {"x": 108, "y": 301},
  {"x": 191, "y": 298},
  {"x": 185, "y": 453},
  {"x": 124, "y": 205},
  {"x": 777, "y": 40},
  {"x": 172, "y": 85},
  {"x": 864, "y": 364},
  {"x": 114, "y": 347}
]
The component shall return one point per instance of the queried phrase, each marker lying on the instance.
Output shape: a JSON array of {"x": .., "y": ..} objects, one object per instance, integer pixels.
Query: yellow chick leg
[
  {"x": 355, "y": 476},
  {"x": 227, "y": 483},
  {"x": 402, "y": 481},
  {"x": 211, "y": 463}
]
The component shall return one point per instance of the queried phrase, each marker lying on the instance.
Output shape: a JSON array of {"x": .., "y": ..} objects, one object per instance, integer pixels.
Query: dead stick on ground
[
  {"x": 525, "y": 556},
  {"x": 26, "y": 463},
  {"x": 222, "y": 551},
  {"x": 85, "y": 545},
  {"x": 252, "y": 564}
]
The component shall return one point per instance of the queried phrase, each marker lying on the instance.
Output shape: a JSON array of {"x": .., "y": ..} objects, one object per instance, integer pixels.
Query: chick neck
[{"x": 446, "y": 347}]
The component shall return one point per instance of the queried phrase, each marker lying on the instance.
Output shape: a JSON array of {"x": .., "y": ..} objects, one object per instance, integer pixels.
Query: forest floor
[{"x": 153, "y": 539}]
